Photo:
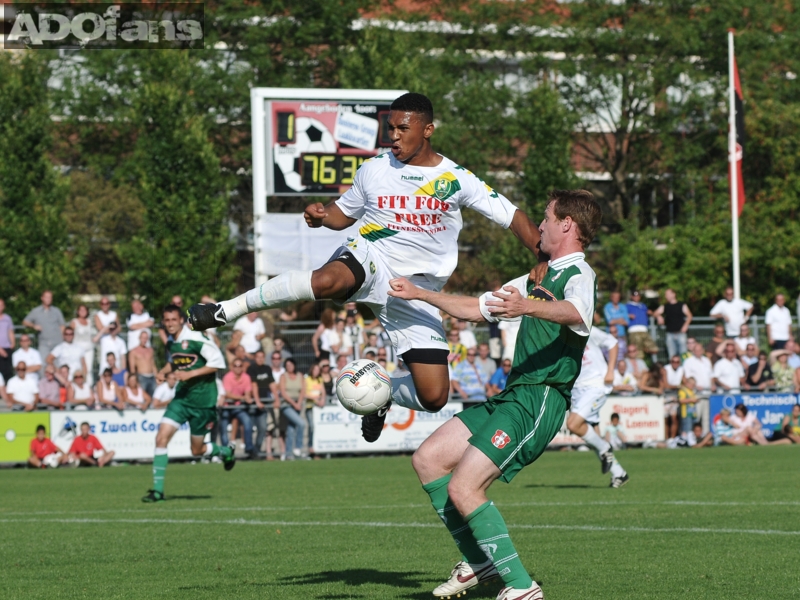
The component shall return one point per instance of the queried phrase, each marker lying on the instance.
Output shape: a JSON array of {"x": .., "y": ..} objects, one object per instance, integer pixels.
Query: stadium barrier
[
  {"x": 641, "y": 417},
  {"x": 131, "y": 434},
  {"x": 338, "y": 431},
  {"x": 769, "y": 408}
]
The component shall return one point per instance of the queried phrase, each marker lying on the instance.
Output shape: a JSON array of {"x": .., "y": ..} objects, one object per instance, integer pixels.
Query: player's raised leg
[{"x": 338, "y": 279}]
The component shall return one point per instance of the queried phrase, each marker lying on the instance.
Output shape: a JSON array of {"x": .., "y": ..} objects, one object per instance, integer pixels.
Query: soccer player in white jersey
[
  {"x": 590, "y": 394},
  {"x": 408, "y": 206}
]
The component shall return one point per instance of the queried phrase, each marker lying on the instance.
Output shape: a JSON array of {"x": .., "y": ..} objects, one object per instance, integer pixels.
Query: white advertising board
[
  {"x": 641, "y": 417},
  {"x": 338, "y": 430},
  {"x": 131, "y": 434}
]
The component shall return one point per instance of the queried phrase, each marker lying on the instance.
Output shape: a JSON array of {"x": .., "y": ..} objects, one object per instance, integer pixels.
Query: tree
[
  {"x": 183, "y": 247},
  {"x": 34, "y": 247}
]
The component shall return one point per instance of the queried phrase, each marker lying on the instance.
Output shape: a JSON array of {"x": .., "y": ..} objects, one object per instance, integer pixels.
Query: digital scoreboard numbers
[
  {"x": 316, "y": 146},
  {"x": 329, "y": 169}
]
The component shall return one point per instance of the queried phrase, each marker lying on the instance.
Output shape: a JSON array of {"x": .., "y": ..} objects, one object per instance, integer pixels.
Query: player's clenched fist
[
  {"x": 314, "y": 214},
  {"x": 403, "y": 288}
]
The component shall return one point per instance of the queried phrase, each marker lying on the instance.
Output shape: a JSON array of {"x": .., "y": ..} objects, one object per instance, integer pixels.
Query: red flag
[{"x": 739, "y": 136}]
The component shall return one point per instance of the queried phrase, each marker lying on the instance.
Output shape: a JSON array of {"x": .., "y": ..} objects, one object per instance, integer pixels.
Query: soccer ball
[
  {"x": 51, "y": 460},
  {"x": 363, "y": 387}
]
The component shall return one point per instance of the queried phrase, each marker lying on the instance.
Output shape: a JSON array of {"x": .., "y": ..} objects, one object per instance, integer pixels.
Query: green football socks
[
  {"x": 491, "y": 532},
  {"x": 160, "y": 461},
  {"x": 458, "y": 528},
  {"x": 213, "y": 450}
]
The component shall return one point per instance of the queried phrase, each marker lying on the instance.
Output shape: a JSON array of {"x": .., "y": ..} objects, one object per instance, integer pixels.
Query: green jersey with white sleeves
[
  {"x": 192, "y": 350},
  {"x": 547, "y": 353}
]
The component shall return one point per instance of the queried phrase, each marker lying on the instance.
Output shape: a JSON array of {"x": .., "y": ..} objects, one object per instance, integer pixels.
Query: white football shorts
[
  {"x": 588, "y": 401},
  {"x": 409, "y": 323}
]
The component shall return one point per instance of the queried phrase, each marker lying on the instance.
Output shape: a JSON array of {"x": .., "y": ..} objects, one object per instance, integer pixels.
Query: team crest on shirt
[
  {"x": 500, "y": 439},
  {"x": 185, "y": 344},
  {"x": 442, "y": 188}
]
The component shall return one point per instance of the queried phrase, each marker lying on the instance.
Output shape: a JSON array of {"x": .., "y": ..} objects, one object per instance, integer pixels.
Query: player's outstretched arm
[
  {"x": 330, "y": 216},
  {"x": 509, "y": 303},
  {"x": 460, "y": 307},
  {"x": 528, "y": 233}
]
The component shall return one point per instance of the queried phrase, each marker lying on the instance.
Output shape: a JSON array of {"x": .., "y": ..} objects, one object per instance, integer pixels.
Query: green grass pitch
[{"x": 719, "y": 523}]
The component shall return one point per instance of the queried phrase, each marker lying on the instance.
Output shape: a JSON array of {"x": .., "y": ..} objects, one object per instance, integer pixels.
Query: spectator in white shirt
[
  {"x": 674, "y": 375},
  {"x": 465, "y": 335},
  {"x": 104, "y": 317},
  {"x": 779, "y": 323},
  {"x": 728, "y": 371},
  {"x": 22, "y": 390},
  {"x": 625, "y": 384},
  {"x": 734, "y": 311},
  {"x": 750, "y": 356},
  {"x": 165, "y": 392},
  {"x": 699, "y": 367},
  {"x": 486, "y": 364},
  {"x": 743, "y": 339},
  {"x": 80, "y": 393},
  {"x": 635, "y": 365},
  {"x": 68, "y": 353},
  {"x": 29, "y": 356},
  {"x": 253, "y": 331},
  {"x": 139, "y": 320},
  {"x": 112, "y": 343}
]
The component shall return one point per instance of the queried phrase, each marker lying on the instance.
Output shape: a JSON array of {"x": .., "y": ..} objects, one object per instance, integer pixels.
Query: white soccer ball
[
  {"x": 51, "y": 460},
  {"x": 363, "y": 387}
]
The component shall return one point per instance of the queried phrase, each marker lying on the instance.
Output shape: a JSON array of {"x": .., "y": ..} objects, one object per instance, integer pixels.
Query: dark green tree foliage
[
  {"x": 183, "y": 247},
  {"x": 34, "y": 247}
]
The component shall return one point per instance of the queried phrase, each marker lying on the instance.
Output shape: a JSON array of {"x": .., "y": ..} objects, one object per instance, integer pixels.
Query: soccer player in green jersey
[
  {"x": 194, "y": 360},
  {"x": 496, "y": 439}
]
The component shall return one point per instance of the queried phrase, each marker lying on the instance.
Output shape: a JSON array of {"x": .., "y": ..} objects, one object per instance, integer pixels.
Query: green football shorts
[
  {"x": 514, "y": 427},
  {"x": 201, "y": 420}
]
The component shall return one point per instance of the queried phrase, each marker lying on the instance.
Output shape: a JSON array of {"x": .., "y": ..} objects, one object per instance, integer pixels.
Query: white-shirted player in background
[
  {"x": 590, "y": 394},
  {"x": 408, "y": 204}
]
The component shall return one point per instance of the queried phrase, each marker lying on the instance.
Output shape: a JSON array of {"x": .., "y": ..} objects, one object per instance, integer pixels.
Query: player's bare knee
[{"x": 433, "y": 400}]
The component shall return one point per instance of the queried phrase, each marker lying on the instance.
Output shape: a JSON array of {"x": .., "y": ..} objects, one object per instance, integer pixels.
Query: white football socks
[
  {"x": 405, "y": 394},
  {"x": 617, "y": 470},
  {"x": 278, "y": 291},
  {"x": 595, "y": 441}
]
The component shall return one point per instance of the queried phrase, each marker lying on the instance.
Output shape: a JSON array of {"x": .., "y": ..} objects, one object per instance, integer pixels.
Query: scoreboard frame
[{"x": 264, "y": 165}]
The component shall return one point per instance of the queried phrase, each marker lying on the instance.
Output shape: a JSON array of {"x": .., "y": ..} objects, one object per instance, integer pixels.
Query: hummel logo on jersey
[
  {"x": 557, "y": 275},
  {"x": 500, "y": 439},
  {"x": 411, "y": 178}
]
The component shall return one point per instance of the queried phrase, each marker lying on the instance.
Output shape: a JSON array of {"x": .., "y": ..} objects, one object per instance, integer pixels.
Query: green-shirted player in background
[
  {"x": 195, "y": 360},
  {"x": 497, "y": 438}
]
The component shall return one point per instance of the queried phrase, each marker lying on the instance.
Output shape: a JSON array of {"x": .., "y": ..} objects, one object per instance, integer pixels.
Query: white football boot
[
  {"x": 532, "y": 593},
  {"x": 464, "y": 576}
]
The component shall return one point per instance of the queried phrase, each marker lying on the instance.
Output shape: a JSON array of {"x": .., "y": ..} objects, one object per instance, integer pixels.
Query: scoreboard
[
  {"x": 314, "y": 147},
  {"x": 308, "y": 142}
]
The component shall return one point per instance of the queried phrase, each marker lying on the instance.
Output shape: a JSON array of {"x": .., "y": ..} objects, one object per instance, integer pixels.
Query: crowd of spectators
[{"x": 91, "y": 361}]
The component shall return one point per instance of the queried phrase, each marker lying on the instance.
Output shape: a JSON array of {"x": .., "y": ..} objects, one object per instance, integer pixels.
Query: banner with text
[
  {"x": 338, "y": 430},
  {"x": 131, "y": 434},
  {"x": 641, "y": 418},
  {"x": 769, "y": 408}
]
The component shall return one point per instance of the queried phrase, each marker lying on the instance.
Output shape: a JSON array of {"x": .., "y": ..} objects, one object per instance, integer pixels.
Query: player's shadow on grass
[
  {"x": 354, "y": 577},
  {"x": 189, "y": 497}
]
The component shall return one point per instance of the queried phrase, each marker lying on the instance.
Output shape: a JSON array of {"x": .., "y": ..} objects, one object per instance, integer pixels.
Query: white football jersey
[
  {"x": 412, "y": 215},
  {"x": 594, "y": 366}
]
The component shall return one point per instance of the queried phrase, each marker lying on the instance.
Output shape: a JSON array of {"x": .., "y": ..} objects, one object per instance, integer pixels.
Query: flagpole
[{"x": 737, "y": 285}]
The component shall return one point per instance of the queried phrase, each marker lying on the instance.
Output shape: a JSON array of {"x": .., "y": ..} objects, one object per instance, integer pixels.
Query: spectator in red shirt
[
  {"x": 85, "y": 447},
  {"x": 238, "y": 398},
  {"x": 44, "y": 453}
]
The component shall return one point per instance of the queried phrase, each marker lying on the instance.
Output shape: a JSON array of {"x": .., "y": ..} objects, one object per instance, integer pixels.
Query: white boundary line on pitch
[
  {"x": 392, "y": 506},
  {"x": 590, "y": 528}
]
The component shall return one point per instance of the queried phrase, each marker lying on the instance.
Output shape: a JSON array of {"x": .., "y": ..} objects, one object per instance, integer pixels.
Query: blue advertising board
[{"x": 769, "y": 408}]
